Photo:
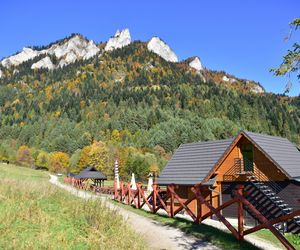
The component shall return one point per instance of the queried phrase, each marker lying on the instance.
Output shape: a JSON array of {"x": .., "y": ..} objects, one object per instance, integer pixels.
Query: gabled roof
[
  {"x": 281, "y": 151},
  {"x": 90, "y": 168},
  {"x": 192, "y": 162},
  {"x": 91, "y": 173}
]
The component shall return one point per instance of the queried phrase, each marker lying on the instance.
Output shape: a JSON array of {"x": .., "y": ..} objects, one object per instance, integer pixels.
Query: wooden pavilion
[{"x": 93, "y": 174}]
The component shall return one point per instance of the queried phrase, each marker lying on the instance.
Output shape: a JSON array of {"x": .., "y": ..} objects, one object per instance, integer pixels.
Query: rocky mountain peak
[
  {"x": 196, "y": 64},
  {"x": 160, "y": 48},
  {"x": 72, "y": 49},
  {"x": 43, "y": 63},
  {"x": 257, "y": 89},
  {"x": 25, "y": 55},
  {"x": 119, "y": 40},
  {"x": 228, "y": 79}
]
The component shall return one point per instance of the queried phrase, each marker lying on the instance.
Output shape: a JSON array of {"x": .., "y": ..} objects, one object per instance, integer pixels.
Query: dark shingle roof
[
  {"x": 90, "y": 173},
  {"x": 192, "y": 162},
  {"x": 283, "y": 153}
]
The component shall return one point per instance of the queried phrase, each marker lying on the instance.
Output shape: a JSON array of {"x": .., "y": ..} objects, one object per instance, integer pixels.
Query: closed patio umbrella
[
  {"x": 133, "y": 183},
  {"x": 150, "y": 183}
]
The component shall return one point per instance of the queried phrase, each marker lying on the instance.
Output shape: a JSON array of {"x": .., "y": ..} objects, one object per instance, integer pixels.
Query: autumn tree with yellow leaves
[
  {"x": 59, "y": 162},
  {"x": 96, "y": 155}
]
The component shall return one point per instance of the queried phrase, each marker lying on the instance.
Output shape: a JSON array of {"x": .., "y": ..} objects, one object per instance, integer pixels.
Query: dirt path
[{"x": 157, "y": 235}]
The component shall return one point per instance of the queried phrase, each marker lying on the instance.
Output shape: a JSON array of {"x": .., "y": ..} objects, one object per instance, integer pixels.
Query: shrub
[
  {"x": 24, "y": 156},
  {"x": 42, "y": 160}
]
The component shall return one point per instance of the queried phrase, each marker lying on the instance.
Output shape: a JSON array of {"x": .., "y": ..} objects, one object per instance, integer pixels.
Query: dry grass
[{"x": 37, "y": 215}]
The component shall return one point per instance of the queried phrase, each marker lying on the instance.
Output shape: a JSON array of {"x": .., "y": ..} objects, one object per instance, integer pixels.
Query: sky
[{"x": 243, "y": 38}]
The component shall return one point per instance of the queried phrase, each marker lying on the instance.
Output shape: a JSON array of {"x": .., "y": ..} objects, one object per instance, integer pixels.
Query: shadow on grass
[{"x": 204, "y": 233}]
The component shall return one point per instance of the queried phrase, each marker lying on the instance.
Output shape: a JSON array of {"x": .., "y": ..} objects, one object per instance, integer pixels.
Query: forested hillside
[{"x": 129, "y": 103}]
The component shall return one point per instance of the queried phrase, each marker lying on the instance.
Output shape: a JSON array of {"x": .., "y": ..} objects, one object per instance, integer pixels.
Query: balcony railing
[{"x": 244, "y": 167}]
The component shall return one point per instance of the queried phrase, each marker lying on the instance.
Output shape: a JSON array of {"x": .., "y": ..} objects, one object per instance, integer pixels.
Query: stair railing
[{"x": 261, "y": 177}]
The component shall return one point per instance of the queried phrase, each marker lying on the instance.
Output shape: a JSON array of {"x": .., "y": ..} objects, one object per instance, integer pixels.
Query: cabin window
[{"x": 247, "y": 152}]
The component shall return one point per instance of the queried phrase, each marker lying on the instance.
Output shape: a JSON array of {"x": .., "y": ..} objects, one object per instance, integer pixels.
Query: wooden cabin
[{"x": 268, "y": 167}]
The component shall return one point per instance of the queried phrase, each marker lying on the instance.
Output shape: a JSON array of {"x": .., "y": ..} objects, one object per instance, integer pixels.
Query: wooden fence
[
  {"x": 166, "y": 197},
  {"x": 78, "y": 183}
]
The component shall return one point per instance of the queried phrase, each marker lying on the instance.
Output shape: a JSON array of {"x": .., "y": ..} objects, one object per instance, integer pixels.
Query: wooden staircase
[{"x": 264, "y": 196}]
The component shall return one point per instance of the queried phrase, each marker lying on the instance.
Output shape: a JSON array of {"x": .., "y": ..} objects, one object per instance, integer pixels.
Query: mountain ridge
[
  {"x": 77, "y": 47},
  {"x": 133, "y": 98}
]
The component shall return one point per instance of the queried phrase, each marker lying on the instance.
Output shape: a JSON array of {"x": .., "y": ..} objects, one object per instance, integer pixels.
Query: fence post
[
  {"x": 122, "y": 192},
  {"x": 115, "y": 190},
  {"x": 154, "y": 197},
  {"x": 240, "y": 191},
  {"x": 139, "y": 194},
  {"x": 129, "y": 194}
]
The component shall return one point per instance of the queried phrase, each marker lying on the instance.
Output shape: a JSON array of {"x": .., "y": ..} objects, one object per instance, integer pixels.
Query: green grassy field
[
  {"x": 293, "y": 238},
  {"x": 36, "y": 215}
]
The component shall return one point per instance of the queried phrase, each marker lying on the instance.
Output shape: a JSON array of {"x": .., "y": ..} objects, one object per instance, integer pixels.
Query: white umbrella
[
  {"x": 133, "y": 184},
  {"x": 117, "y": 180},
  {"x": 150, "y": 183}
]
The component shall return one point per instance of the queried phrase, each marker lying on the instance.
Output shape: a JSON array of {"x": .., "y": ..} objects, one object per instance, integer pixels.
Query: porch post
[
  {"x": 172, "y": 202},
  {"x": 199, "y": 208}
]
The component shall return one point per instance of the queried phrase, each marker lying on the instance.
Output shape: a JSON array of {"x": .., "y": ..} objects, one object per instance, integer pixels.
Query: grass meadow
[{"x": 36, "y": 215}]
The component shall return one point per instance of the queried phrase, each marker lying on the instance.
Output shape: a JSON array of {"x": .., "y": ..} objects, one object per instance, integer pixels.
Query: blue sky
[{"x": 244, "y": 38}]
